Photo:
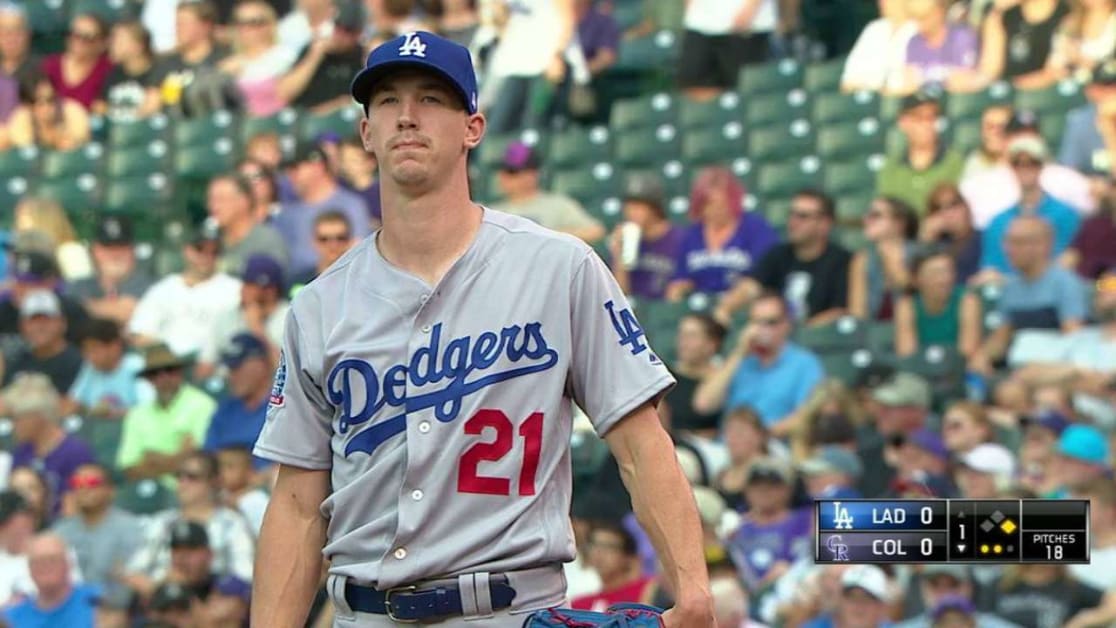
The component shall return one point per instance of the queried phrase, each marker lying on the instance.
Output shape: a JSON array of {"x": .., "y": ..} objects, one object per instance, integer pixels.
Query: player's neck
[{"x": 424, "y": 237}]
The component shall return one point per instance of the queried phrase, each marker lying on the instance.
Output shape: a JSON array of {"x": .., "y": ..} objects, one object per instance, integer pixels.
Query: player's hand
[{"x": 691, "y": 615}]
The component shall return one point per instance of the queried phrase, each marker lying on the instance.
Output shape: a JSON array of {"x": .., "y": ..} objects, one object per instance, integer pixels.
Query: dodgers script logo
[{"x": 462, "y": 364}]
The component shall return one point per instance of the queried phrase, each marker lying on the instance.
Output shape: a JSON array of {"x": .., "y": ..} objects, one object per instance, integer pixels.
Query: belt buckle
[{"x": 387, "y": 603}]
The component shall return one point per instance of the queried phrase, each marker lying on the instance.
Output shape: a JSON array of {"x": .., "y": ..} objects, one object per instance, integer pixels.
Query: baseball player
[{"x": 421, "y": 412}]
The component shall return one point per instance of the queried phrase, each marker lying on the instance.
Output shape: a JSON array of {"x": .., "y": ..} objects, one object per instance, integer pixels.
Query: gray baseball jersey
[{"x": 444, "y": 413}]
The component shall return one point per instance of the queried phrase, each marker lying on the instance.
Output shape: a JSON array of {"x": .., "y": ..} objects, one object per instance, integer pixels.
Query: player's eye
[
  {"x": 432, "y": 99},
  {"x": 386, "y": 99}
]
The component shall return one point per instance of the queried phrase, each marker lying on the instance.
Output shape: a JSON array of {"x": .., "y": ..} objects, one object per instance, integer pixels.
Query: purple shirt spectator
[
  {"x": 57, "y": 466},
  {"x": 756, "y": 548},
  {"x": 598, "y": 31},
  {"x": 655, "y": 265},
  {"x": 9, "y": 96},
  {"x": 295, "y": 223},
  {"x": 959, "y": 50},
  {"x": 716, "y": 271}
]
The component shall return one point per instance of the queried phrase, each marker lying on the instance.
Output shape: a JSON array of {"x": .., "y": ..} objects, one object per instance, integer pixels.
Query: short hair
[
  {"x": 828, "y": 207},
  {"x": 208, "y": 460},
  {"x": 137, "y": 30},
  {"x": 29, "y": 83},
  {"x": 710, "y": 326},
  {"x": 927, "y": 253},
  {"x": 102, "y": 330},
  {"x": 333, "y": 215},
  {"x": 906, "y": 214},
  {"x": 627, "y": 540},
  {"x": 33, "y": 393},
  {"x": 770, "y": 295},
  {"x": 239, "y": 181},
  {"x": 102, "y": 25},
  {"x": 204, "y": 10}
]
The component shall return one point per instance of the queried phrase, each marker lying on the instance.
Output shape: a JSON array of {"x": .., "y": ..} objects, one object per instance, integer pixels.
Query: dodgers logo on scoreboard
[
  {"x": 838, "y": 549},
  {"x": 842, "y": 520}
]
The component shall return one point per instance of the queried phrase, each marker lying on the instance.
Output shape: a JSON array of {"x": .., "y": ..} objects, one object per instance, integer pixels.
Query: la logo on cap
[{"x": 412, "y": 46}]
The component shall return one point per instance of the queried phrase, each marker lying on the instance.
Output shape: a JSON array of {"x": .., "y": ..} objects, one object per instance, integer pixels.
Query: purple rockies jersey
[
  {"x": 57, "y": 466},
  {"x": 716, "y": 271},
  {"x": 959, "y": 50},
  {"x": 756, "y": 548},
  {"x": 656, "y": 264}
]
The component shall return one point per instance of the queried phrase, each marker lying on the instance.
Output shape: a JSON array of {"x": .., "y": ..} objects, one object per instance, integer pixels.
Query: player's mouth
[{"x": 408, "y": 144}]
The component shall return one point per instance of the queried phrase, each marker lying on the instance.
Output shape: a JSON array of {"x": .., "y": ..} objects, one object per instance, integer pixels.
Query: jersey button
[
  {"x": 426, "y": 329},
  {"x": 424, "y": 427},
  {"x": 399, "y": 553},
  {"x": 424, "y": 298},
  {"x": 416, "y": 494}
]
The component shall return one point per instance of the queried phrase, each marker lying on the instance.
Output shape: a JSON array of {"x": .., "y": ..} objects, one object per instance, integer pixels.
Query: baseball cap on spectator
[
  {"x": 242, "y": 347},
  {"x": 349, "y": 17},
  {"x": 903, "y": 389},
  {"x": 11, "y": 504},
  {"x": 952, "y": 603},
  {"x": 207, "y": 231},
  {"x": 518, "y": 156},
  {"x": 188, "y": 535},
  {"x": 171, "y": 596},
  {"x": 263, "y": 271},
  {"x": 306, "y": 153},
  {"x": 31, "y": 240},
  {"x": 33, "y": 266},
  {"x": 159, "y": 357},
  {"x": 113, "y": 230},
  {"x": 1048, "y": 419},
  {"x": 40, "y": 303},
  {"x": 991, "y": 458},
  {"x": 924, "y": 96},
  {"x": 833, "y": 459},
  {"x": 1023, "y": 120},
  {"x": 869, "y": 578},
  {"x": 233, "y": 587},
  {"x": 645, "y": 187},
  {"x": 1031, "y": 146},
  {"x": 422, "y": 50},
  {"x": 960, "y": 573},
  {"x": 1084, "y": 443},
  {"x": 769, "y": 469},
  {"x": 929, "y": 441}
]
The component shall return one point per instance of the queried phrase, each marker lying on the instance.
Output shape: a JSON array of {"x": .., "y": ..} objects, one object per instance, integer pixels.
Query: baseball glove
[{"x": 617, "y": 616}]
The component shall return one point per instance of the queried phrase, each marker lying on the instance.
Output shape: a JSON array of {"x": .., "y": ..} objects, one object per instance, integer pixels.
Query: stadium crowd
[{"x": 942, "y": 326}]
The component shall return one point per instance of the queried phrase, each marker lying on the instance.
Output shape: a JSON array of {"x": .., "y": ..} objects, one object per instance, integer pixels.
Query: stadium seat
[
  {"x": 784, "y": 179},
  {"x": 961, "y": 106},
  {"x": 763, "y": 78},
  {"x": 144, "y": 497},
  {"x": 849, "y": 367},
  {"x": 642, "y": 112},
  {"x": 781, "y": 142},
  {"x": 966, "y": 134},
  {"x": 728, "y": 107},
  {"x": 852, "y": 140},
  {"x": 111, "y": 11},
  {"x": 714, "y": 145},
  {"x": 776, "y": 210},
  {"x": 577, "y": 147},
  {"x": 627, "y": 14},
  {"x": 889, "y": 108},
  {"x": 597, "y": 181},
  {"x": 850, "y": 177},
  {"x": 765, "y": 109},
  {"x": 1053, "y": 127},
  {"x": 491, "y": 151},
  {"x": 46, "y": 18},
  {"x": 141, "y": 195},
  {"x": 19, "y": 162},
  {"x": 823, "y": 77},
  {"x": 284, "y": 123},
  {"x": 942, "y": 366},
  {"x": 845, "y": 335},
  {"x": 850, "y": 208},
  {"x": 648, "y": 147},
  {"x": 654, "y": 52},
  {"x": 138, "y": 133},
  {"x": 61, "y": 164},
  {"x": 342, "y": 121},
  {"x": 852, "y": 238},
  {"x": 606, "y": 209},
  {"x": 1059, "y": 98},
  {"x": 676, "y": 178},
  {"x": 833, "y": 108},
  {"x": 139, "y": 160},
  {"x": 205, "y": 161},
  {"x": 881, "y": 337},
  {"x": 78, "y": 193},
  {"x": 205, "y": 130}
]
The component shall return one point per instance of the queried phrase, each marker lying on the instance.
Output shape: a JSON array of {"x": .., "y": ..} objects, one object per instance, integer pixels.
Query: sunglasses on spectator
[
  {"x": 186, "y": 474},
  {"x": 802, "y": 214},
  {"x": 252, "y": 175},
  {"x": 88, "y": 480},
  {"x": 768, "y": 322},
  {"x": 337, "y": 239},
  {"x": 1025, "y": 163},
  {"x": 253, "y": 22},
  {"x": 86, "y": 36},
  {"x": 946, "y": 204}
]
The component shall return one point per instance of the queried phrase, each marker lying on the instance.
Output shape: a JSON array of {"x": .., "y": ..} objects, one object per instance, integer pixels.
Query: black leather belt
[{"x": 410, "y": 604}]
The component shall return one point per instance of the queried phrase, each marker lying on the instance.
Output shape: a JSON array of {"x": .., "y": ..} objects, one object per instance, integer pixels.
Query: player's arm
[
  {"x": 289, "y": 556},
  {"x": 664, "y": 505}
]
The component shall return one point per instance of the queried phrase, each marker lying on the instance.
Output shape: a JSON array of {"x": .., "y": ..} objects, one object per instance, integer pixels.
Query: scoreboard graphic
[{"x": 952, "y": 530}]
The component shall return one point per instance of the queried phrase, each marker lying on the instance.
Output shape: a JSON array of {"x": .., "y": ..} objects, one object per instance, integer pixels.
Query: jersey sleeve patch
[{"x": 276, "y": 399}]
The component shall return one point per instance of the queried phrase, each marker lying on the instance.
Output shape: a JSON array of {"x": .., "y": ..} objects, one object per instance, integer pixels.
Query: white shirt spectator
[
  {"x": 158, "y": 19},
  {"x": 230, "y": 539},
  {"x": 716, "y": 17},
  {"x": 1099, "y": 573},
  {"x": 252, "y": 505},
  {"x": 529, "y": 41},
  {"x": 183, "y": 316},
  {"x": 996, "y": 190},
  {"x": 879, "y": 56},
  {"x": 581, "y": 579},
  {"x": 275, "y": 62},
  {"x": 232, "y": 322}
]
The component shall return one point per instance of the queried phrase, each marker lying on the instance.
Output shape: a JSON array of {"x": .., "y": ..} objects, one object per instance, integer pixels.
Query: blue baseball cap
[
  {"x": 421, "y": 50},
  {"x": 262, "y": 270},
  {"x": 241, "y": 347},
  {"x": 930, "y": 442},
  {"x": 1085, "y": 443}
]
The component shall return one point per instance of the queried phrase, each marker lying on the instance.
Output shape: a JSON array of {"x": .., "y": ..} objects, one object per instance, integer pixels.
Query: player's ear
[
  {"x": 366, "y": 134},
  {"x": 474, "y": 130}
]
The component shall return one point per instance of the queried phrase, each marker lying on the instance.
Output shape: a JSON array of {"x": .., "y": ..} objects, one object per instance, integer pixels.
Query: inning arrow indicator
[{"x": 961, "y": 547}]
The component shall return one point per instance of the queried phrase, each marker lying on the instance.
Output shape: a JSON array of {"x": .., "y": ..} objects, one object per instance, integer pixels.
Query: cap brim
[
  {"x": 814, "y": 466},
  {"x": 362, "y": 85}
]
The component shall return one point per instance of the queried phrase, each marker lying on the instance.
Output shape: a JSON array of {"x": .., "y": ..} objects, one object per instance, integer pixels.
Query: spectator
[
  {"x": 227, "y": 535},
  {"x": 266, "y": 149},
  {"x": 333, "y": 237},
  {"x": 898, "y": 406},
  {"x": 238, "y": 482},
  {"x": 772, "y": 536},
  {"x": 230, "y": 203},
  {"x": 317, "y": 190},
  {"x": 108, "y": 384},
  {"x": 228, "y": 603},
  {"x": 533, "y": 42},
  {"x": 993, "y": 142},
  {"x": 262, "y": 313},
  {"x": 830, "y": 417},
  {"x": 82, "y": 69},
  {"x": 389, "y": 19},
  {"x": 307, "y": 22},
  {"x": 1085, "y": 142},
  {"x": 987, "y": 471},
  {"x": 809, "y": 269},
  {"x": 265, "y": 189},
  {"x": 645, "y": 276},
  {"x": 58, "y": 602},
  {"x": 995, "y": 190},
  {"x": 598, "y": 36},
  {"x": 1098, "y": 572},
  {"x": 941, "y": 587},
  {"x": 179, "y": 309},
  {"x": 965, "y": 426},
  {"x": 921, "y": 462},
  {"x": 1081, "y": 456},
  {"x": 32, "y": 484},
  {"x": 46, "y": 350},
  {"x": 1017, "y": 41},
  {"x": 326, "y": 65},
  {"x": 131, "y": 92},
  {"x": 103, "y": 537},
  {"x": 457, "y": 20},
  {"x": 720, "y": 37},
  {"x": 157, "y": 436},
  {"x": 880, "y": 271},
  {"x": 1027, "y": 156},
  {"x": 16, "y": 59},
  {"x": 191, "y": 560},
  {"x": 1091, "y": 253},
  {"x": 614, "y": 556},
  {"x": 259, "y": 60},
  {"x": 171, "y": 606},
  {"x": 358, "y": 168},
  {"x": 240, "y": 414},
  {"x": 117, "y": 284},
  {"x": 17, "y": 527},
  {"x": 730, "y": 603},
  {"x": 42, "y": 443},
  {"x": 746, "y": 440},
  {"x": 941, "y": 52},
  {"x": 36, "y": 272},
  {"x": 46, "y": 119},
  {"x": 832, "y": 473},
  {"x": 1045, "y": 596},
  {"x": 1039, "y": 295},
  {"x": 519, "y": 181},
  {"x": 1037, "y": 452},
  {"x": 48, "y": 217},
  {"x": 765, "y": 371},
  {"x": 188, "y": 77},
  {"x": 939, "y": 311},
  {"x": 1087, "y": 37},
  {"x": 949, "y": 223},
  {"x": 878, "y": 58},
  {"x": 699, "y": 340},
  {"x": 722, "y": 245},
  {"x": 927, "y": 160}
]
